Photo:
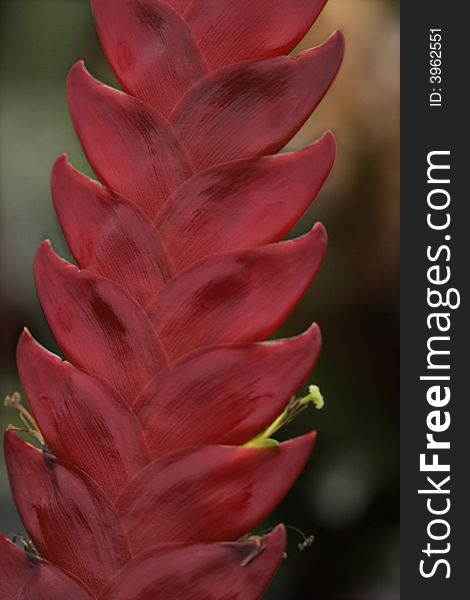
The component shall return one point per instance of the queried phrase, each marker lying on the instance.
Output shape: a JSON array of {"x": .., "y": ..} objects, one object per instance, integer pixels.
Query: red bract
[{"x": 149, "y": 481}]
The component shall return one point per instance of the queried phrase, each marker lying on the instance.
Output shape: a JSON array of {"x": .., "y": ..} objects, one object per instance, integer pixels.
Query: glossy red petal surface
[
  {"x": 227, "y": 571},
  {"x": 108, "y": 235},
  {"x": 242, "y": 296},
  {"x": 24, "y": 579},
  {"x": 229, "y": 32},
  {"x": 69, "y": 520},
  {"x": 83, "y": 422},
  {"x": 243, "y": 204},
  {"x": 99, "y": 328},
  {"x": 132, "y": 149},
  {"x": 225, "y": 394},
  {"x": 150, "y": 48},
  {"x": 209, "y": 494},
  {"x": 254, "y": 108},
  {"x": 15, "y": 569}
]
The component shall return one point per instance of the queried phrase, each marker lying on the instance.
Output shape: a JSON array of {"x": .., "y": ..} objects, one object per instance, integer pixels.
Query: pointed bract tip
[
  {"x": 277, "y": 538},
  {"x": 46, "y": 260},
  {"x": 326, "y": 144},
  {"x": 337, "y": 41},
  {"x": 310, "y": 339},
  {"x": 317, "y": 235},
  {"x": 61, "y": 162},
  {"x": 62, "y": 174},
  {"x": 80, "y": 79},
  {"x": 45, "y": 251},
  {"x": 313, "y": 333},
  {"x": 25, "y": 339},
  {"x": 64, "y": 180},
  {"x": 328, "y": 139},
  {"x": 78, "y": 67},
  {"x": 333, "y": 47},
  {"x": 28, "y": 346},
  {"x": 302, "y": 445}
]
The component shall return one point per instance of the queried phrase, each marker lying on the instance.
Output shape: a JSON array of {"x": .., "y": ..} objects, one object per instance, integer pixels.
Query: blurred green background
[{"x": 348, "y": 497}]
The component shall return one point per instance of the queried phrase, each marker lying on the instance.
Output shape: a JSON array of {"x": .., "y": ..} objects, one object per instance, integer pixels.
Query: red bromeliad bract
[{"x": 152, "y": 472}]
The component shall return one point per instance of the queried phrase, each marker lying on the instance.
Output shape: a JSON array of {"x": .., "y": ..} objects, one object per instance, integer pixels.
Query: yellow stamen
[
  {"x": 32, "y": 428},
  {"x": 294, "y": 408}
]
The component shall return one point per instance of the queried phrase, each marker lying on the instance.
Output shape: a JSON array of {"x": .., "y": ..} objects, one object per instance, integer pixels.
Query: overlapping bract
[{"x": 146, "y": 481}]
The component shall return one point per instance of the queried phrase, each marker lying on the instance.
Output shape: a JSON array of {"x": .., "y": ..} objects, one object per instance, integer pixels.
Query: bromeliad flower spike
[{"x": 154, "y": 461}]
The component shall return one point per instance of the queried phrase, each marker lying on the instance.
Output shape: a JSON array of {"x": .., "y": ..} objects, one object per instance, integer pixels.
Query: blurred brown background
[{"x": 348, "y": 496}]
